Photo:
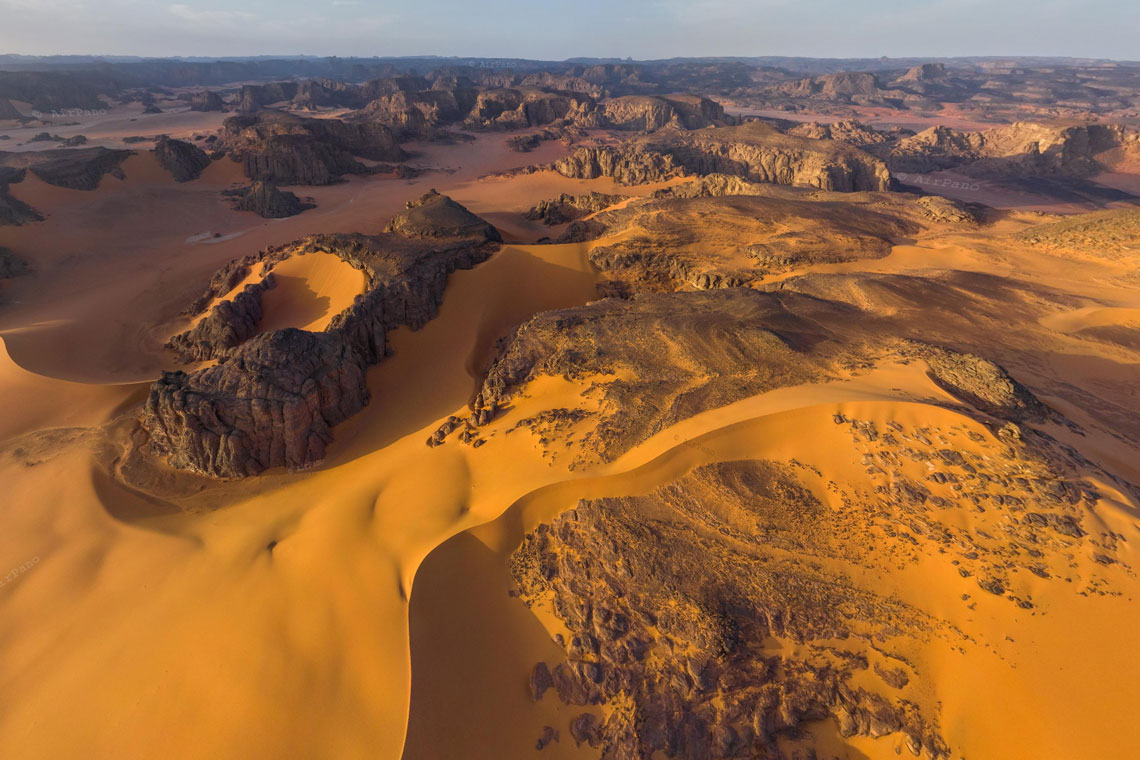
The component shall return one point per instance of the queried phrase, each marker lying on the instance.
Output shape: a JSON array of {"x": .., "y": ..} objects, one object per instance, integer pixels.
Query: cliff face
[
  {"x": 651, "y": 113},
  {"x": 755, "y": 152},
  {"x": 1017, "y": 150},
  {"x": 273, "y": 400}
]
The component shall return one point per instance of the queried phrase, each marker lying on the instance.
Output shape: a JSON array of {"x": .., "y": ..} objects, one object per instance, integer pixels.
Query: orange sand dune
[
  {"x": 310, "y": 290},
  {"x": 270, "y": 618}
]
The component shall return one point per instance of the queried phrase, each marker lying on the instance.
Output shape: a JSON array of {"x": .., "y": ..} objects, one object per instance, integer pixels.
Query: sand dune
[
  {"x": 311, "y": 289},
  {"x": 354, "y": 610}
]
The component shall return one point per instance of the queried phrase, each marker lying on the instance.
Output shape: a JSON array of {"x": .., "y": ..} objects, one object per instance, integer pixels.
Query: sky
[{"x": 559, "y": 29}]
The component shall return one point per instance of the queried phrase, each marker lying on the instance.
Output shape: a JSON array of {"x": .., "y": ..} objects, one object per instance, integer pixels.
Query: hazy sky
[{"x": 565, "y": 28}]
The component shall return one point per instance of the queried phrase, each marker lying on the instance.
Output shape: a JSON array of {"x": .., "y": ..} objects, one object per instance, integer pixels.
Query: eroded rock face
[
  {"x": 273, "y": 400},
  {"x": 227, "y": 326},
  {"x": 567, "y": 208},
  {"x": 183, "y": 160},
  {"x": 756, "y": 152},
  {"x": 285, "y": 149},
  {"x": 206, "y": 100},
  {"x": 1021, "y": 149}
]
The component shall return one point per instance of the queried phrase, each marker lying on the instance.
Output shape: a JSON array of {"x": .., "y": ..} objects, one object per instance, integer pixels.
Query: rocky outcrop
[
  {"x": 627, "y": 165},
  {"x": 273, "y": 400},
  {"x": 949, "y": 211},
  {"x": 256, "y": 96},
  {"x": 697, "y": 241},
  {"x": 651, "y": 113},
  {"x": 12, "y": 265},
  {"x": 286, "y": 149},
  {"x": 774, "y": 340},
  {"x": 755, "y": 151},
  {"x": 568, "y": 208},
  {"x": 267, "y": 200},
  {"x": 9, "y": 112},
  {"x": 81, "y": 169},
  {"x": 736, "y": 551},
  {"x": 848, "y": 131},
  {"x": 437, "y": 216},
  {"x": 183, "y": 160},
  {"x": 206, "y": 100},
  {"x": 1019, "y": 150},
  {"x": 982, "y": 384},
  {"x": 14, "y": 212},
  {"x": 228, "y": 325}
]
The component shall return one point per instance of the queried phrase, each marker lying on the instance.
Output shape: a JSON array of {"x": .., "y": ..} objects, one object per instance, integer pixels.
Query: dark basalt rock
[
  {"x": 183, "y": 160},
  {"x": 267, "y": 200},
  {"x": 273, "y": 400}
]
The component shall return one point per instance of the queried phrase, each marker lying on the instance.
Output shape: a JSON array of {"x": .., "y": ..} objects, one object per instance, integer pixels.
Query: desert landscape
[{"x": 421, "y": 408}]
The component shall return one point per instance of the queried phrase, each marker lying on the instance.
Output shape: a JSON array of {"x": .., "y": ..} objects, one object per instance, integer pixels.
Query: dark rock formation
[
  {"x": 735, "y": 551},
  {"x": 13, "y": 211},
  {"x": 567, "y": 208},
  {"x": 183, "y": 160},
  {"x": 80, "y": 169},
  {"x": 267, "y": 200},
  {"x": 434, "y": 216},
  {"x": 273, "y": 400},
  {"x": 982, "y": 384},
  {"x": 9, "y": 112},
  {"x": 45, "y": 137},
  {"x": 12, "y": 265},
  {"x": 256, "y": 96},
  {"x": 291, "y": 150},
  {"x": 228, "y": 325},
  {"x": 774, "y": 340},
  {"x": 206, "y": 100}
]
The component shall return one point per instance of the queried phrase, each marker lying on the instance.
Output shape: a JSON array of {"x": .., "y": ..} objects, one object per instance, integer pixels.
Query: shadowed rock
[
  {"x": 183, "y": 160},
  {"x": 273, "y": 400},
  {"x": 267, "y": 200}
]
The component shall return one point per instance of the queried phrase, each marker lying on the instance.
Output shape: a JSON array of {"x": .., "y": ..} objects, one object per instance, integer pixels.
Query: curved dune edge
[{"x": 466, "y": 630}]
